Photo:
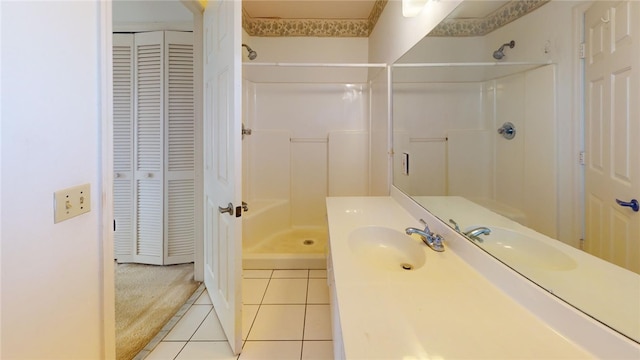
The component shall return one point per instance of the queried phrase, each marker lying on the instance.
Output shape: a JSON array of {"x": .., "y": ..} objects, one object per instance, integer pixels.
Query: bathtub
[{"x": 270, "y": 242}]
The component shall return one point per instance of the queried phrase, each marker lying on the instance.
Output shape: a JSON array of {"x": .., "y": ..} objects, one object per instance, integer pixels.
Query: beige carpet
[{"x": 147, "y": 296}]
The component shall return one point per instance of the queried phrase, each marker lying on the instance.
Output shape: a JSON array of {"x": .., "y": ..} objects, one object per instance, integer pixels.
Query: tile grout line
[
  {"x": 257, "y": 311},
  {"x": 271, "y": 277},
  {"x": 202, "y": 322},
  {"x": 182, "y": 348},
  {"x": 244, "y": 342},
  {"x": 191, "y": 337},
  {"x": 156, "y": 340},
  {"x": 304, "y": 319}
]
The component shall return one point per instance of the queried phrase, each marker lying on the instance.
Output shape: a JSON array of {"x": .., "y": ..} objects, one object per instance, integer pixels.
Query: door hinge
[
  {"x": 114, "y": 224},
  {"x": 581, "y": 158},
  {"x": 581, "y": 51}
]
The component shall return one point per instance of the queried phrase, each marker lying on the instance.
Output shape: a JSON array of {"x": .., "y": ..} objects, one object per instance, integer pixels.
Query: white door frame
[
  {"x": 198, "y": 32},
  {"x": 578, "y": 120},
  {"x": 106, "y": 127},
  {"x": 106, "y": 138}
]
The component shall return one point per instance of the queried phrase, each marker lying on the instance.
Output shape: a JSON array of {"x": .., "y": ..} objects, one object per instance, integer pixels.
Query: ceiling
[
  {"x": 476, "y": 9},
  {"x": 349, "y": 9}
]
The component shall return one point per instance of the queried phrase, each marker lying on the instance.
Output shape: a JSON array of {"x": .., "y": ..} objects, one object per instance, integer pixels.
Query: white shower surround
[
  {"x": 309, "y": 140},
  {"x": 449, "y": 131}
]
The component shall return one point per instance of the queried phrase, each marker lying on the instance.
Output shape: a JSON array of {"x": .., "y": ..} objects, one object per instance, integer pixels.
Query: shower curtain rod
[
  {"x": 493, "y": 63},
  {"x": 358, "y": 65}
]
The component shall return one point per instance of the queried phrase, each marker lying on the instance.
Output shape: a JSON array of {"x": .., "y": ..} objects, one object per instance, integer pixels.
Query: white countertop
[
  {"x": 443, "y": 310},
  {"x": 588, "y": 286}
]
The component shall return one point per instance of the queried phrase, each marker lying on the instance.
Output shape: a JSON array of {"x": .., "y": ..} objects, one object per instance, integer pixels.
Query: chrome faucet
[
  {"x": 475, "y": 233},
  {"x": 434, "y": 241}
]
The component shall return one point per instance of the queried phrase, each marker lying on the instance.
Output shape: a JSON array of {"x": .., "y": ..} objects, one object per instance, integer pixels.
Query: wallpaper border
[
  {"x": 268, "y": 27},
  {"x": 479, "y": 27},
  {"x": 313, "y": 27}
]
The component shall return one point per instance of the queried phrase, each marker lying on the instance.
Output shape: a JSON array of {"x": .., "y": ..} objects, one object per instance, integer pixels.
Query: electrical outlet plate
[
  {"x": 405, "y": 163},
  {"x": 71, "y": 202}
]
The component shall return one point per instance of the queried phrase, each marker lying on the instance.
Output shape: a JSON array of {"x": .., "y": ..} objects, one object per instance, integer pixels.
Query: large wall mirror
[{"x": 498, "y": 124}]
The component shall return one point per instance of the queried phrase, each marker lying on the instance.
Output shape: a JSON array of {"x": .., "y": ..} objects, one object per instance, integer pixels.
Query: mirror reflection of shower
[
  {"x": 252, "y": 55},
  {"x": 499, "y": 54}
]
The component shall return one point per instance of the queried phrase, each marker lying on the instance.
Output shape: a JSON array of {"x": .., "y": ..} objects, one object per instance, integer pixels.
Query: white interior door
[
  {"x": 180, "y": 149},
  {"x": 148, "y": 147},
  {"x": 612, "y": 131},
  {"x": 123, "y": 147},
  {"x": 155, "y": 158},
  {"x": 223, "y": 164}
]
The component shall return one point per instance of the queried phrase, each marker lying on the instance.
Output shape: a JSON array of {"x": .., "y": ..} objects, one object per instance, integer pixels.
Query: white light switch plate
[{"x": 71, "y": 202}]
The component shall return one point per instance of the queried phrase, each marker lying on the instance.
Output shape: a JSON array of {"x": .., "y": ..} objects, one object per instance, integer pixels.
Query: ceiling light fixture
[{"x": 411, "y": 8}]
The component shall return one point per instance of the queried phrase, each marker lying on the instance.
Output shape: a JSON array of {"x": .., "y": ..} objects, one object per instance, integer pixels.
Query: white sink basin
[
  {"x": 386, "y": 249},
  {"x": 517, "y": 249}
]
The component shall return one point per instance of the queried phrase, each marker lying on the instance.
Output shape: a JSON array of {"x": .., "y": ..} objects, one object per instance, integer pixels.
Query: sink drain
[
  {"x": 406, "y": 266},
  {"x": 308, "y": 242}
]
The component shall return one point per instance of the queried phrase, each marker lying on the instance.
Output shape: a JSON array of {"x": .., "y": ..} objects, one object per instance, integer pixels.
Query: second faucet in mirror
[{"x": 474, "y": 233}]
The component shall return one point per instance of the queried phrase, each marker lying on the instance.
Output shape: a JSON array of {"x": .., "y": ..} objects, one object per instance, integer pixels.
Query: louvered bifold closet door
[
  {"x": 180, "y": 157},
  {"x": 123, "y": 147},
  {"x": 148, "y": 147}
]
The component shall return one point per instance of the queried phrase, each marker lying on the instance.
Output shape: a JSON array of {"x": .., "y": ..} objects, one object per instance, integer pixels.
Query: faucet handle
[
  {"x": 426, "y": 227},
  {"x": 438, "y": 243}
]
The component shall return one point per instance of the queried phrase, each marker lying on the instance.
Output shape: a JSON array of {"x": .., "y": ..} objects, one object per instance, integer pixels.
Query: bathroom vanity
[{"x": 395, "y": 298}]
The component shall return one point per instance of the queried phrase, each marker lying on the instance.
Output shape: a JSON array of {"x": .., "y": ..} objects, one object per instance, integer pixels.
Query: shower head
[
  {"x": 252, "y": 54},
  {"x": 499, "y": 54}
]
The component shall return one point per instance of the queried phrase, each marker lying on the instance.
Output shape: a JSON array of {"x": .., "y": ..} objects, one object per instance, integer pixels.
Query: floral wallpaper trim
[
  {"x": 479, "y": 27},
  {"x": 375, "y": 13},
  {"x": 313, "y": 27}
]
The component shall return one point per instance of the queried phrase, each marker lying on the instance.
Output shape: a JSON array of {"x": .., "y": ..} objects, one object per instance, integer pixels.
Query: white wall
[
  {"x": 447, "y": 49},
  {"x": 394, "y": 34},
  {"x": 306, "y": 50},
  {"x": 1, "y": 232},
  {"x": 52, "y": 299},
  {"x": 167, "y": 14}
]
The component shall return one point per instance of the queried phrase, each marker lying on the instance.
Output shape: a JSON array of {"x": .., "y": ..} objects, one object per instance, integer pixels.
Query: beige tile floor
[{"x": 285, "y": 316}]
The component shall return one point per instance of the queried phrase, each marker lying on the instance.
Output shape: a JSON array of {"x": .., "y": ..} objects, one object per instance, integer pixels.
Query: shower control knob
[{"x": 508, "y": 131}]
